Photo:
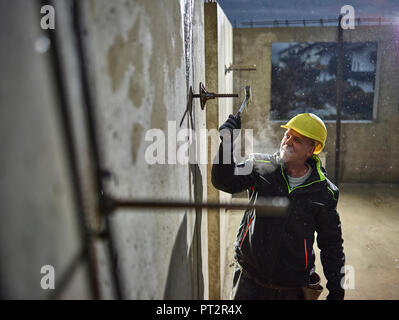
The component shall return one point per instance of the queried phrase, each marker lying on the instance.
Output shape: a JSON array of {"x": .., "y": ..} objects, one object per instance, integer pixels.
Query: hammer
[{"x": 246, "y": 101}]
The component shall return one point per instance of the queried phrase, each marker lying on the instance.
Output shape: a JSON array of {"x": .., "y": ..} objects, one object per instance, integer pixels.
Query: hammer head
[
  {"x": 248, "y": 94},
  {"x": 246, "y": 100}
]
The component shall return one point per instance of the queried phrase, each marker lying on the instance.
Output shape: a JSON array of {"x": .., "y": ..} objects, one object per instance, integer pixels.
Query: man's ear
[{"x": 312, "y": 150}]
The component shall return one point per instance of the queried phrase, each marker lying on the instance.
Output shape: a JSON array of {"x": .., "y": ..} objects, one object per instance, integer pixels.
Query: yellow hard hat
[{"x": 311, "y": 126}]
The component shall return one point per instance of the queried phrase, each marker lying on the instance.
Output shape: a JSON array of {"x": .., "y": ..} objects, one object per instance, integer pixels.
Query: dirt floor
[{"x": 370, "y": 225}]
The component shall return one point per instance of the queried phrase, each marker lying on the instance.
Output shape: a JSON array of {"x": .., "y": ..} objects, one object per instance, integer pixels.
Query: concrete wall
[
  {"x": 39, "y": 222},
  {"x": 369, "y": 150},
  {"x": 142, "y": 60},
  {"x": 218, "y": 54}
]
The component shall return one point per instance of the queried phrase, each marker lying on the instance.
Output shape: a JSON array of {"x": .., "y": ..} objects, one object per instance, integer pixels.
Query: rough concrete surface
[
  {"x": 370, "y": 225},
  {"x": 142, "y": 62}
]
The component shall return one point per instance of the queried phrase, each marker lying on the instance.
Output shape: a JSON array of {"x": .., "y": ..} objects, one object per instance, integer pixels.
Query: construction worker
[{"x": 274, "y": 255}]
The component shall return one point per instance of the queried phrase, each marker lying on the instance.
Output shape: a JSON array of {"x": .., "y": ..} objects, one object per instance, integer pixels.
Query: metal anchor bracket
[
  {"x": 235, "y": 67},
  {"x": 204, "y": 97}
]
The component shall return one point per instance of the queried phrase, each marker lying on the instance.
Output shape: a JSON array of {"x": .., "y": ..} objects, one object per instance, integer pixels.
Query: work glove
[{"x": 231, "y": 127}]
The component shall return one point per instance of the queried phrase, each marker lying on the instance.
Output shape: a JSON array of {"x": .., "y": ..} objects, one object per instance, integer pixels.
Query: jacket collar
[{"x": 313, "y": 182}]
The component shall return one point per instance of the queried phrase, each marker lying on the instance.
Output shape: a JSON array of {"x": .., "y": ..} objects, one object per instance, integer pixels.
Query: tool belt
[
  {"x": 261, "y": 283},
  {"x": 310, "y": 292}
]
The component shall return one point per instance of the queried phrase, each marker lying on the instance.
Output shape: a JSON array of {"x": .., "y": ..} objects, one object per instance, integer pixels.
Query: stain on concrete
[
  {"x": 123, "y": 53},
  {"x": 119, "y": 57},
  {"x": 136, "y": 90},
  {"x": 137, "y": 84},
  {"x": 167, "y": 55},
  {"x": 136, "y": 138}
]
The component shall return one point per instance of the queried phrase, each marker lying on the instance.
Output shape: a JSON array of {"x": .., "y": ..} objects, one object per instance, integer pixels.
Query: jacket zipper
[
  {"x": 250, "y": 220},
  {"x": 245, "y": 233},
  {"x": 306, "y": 255}
]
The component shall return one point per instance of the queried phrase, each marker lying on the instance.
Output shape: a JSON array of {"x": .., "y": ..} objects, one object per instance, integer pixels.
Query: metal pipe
[
  {"x": 212, "y": 95},
  {"x": 92, "y": 129},
  {"x": 365, "y": 21},
  {"x": 271, "y": 206},
  {"x": 339, "y": 102},
  {"x": 66, "y": 124},
  {"x": 234, "y": 67},
  {"x": 287, "y": 22},
  {"x": 66, "y": 277}
]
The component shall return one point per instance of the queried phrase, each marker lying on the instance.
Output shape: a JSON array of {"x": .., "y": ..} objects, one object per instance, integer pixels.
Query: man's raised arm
[{"x": 226, "y": 174}]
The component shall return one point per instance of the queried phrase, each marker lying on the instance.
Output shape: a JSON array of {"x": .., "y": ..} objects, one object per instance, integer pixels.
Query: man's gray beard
[{"x": 285, "y": 154}]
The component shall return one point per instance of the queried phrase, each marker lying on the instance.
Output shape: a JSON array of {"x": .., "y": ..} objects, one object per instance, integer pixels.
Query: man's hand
[{"x": 231, "y": 127}]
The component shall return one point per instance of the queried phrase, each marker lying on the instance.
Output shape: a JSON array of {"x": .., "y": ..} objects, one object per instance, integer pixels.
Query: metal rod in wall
[
  {"x": 266, "y": 206},
  {"x": 339, "y": 102},
  {"x": 99, "y": 173},
  {"x": 65, "y": 278},
  {"x": 66, "y": 124}
]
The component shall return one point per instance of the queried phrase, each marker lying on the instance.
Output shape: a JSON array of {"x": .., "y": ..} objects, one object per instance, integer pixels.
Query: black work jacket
[{"x": 279, "y": 249}]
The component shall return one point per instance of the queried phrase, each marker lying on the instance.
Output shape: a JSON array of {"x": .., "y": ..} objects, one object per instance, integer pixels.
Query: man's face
[{"x": 295, "y": 148}]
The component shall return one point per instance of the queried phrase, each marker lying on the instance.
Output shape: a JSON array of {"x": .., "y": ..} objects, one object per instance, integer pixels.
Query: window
[{"x": 304, "y": 79}]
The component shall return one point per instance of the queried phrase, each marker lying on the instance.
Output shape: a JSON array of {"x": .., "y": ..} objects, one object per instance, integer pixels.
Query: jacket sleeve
[
  {"x": 230, "y": 177},
  {"x": 329, "y": 241}
]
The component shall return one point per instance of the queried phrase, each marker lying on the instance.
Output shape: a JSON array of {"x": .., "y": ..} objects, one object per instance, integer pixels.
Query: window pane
[{"x": 304, "y": 79}]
